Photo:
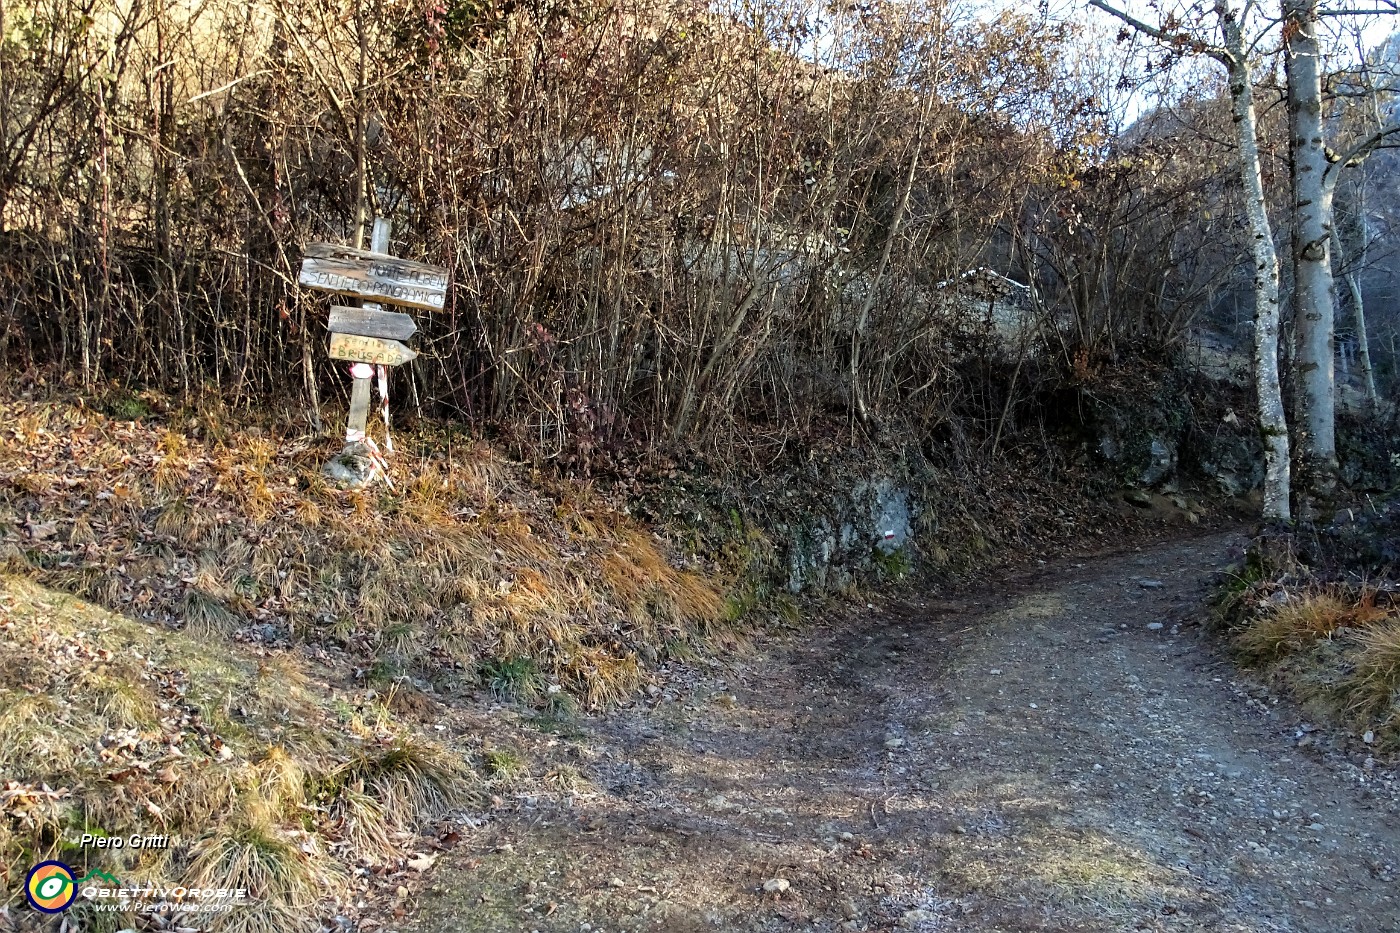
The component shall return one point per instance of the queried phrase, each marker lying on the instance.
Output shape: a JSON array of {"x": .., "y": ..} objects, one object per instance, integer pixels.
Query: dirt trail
[{"x": 1036, "y": 756}]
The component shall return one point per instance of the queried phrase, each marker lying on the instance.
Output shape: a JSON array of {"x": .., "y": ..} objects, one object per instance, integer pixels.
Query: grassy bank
[
  {"x": 308, "y": 690},
  {"x": 1318, "y": 612},
  {"x": 260, "y": 771},
  {"x": 200, "y": 638},
  {"x": 470, "y": 571}
]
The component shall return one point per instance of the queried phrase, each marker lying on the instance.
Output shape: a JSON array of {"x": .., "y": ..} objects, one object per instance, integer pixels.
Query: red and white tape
[{"x": 384, "y": 406}]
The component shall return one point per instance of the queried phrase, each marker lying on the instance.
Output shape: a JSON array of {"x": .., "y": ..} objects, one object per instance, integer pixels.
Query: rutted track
[{"x": 1064, "y": 750}]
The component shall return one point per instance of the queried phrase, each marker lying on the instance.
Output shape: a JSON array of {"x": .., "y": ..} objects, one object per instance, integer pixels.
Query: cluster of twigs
[{"x": 664, "y": 221}]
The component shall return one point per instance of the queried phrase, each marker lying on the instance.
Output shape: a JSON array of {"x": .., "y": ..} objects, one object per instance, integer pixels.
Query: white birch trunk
[
  {"x": 1273, "y": 425},
  {"x": 1314, "y": 312}
]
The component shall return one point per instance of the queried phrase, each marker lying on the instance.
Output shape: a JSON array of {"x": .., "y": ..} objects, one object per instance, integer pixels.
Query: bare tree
[{"x": 1233, "y": 52}]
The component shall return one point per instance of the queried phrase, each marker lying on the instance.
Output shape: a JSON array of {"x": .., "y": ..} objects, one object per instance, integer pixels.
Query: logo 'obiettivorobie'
[{"x": 50, "y": 887}]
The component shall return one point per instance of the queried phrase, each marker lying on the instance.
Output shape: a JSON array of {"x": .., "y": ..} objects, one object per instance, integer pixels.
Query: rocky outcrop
[{"x": 872, "y": 523}]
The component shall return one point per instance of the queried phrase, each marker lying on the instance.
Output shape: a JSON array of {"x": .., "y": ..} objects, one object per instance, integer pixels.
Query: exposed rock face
[
  {"x": 1368, "y": 445},
  {"x": 875, "y": 517},
  {"x": 1161, "y": 461},
  {"x": 1174, "y": 431},
  {"x": 1231, "y": 461},
  {"x": 1144, "y": 454}
]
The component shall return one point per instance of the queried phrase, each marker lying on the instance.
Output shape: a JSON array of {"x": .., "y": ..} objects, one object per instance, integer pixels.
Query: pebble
[
  {"x": 1151, "y": 584},
  {"x": 1155, "y": 626}
]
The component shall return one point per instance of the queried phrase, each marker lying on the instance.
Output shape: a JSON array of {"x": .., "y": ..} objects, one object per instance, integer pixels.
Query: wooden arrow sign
[
  {"x": 369, "y": 350},
  {"x": 368, "y": 322},
  {"x": 376, "y": 276}
]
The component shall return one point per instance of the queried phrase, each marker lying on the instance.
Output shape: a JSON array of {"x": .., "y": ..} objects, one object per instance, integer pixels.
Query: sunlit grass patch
[
  {"x": 513, "y": 677},
  {"x": 1097, "y": 869},
  {"x": 116, "y": 726},
  {"x": 502, "y": 764},
  {"x": 1304, "y": 618}
]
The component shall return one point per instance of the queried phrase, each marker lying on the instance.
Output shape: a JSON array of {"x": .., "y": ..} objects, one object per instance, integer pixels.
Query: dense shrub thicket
[{"x": 664, "y": 220}]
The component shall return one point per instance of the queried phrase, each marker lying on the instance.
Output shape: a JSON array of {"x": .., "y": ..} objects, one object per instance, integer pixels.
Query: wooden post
[
  {"x": 358, "y": 423},
  {"x": 379, "y": 240}
]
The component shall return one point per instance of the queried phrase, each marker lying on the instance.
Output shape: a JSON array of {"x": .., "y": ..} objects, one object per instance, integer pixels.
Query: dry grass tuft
[
  {"x": 1301, "y": 621},
  {"x": 206, "y": 614},
  {"x": 280, "y": 779},
  {"x": 377, "y": 795},
  {"x": 1335, "y": 646},
  {"x": 252, "y": 852},
  {"x": 1373, "y": 689},
  {"x": 1292, "y": 626}
]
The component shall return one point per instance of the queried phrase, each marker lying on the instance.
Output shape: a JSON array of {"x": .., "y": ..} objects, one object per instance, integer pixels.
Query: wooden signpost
[
  {"x": 374, "y": 275},
  {"x": 370, "y": 323},
  {"x": 370, "y": 336},
  {"x": 375, "y": 350}
]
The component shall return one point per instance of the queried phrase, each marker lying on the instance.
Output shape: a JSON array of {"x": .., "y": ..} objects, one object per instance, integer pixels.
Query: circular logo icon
[{"x": 50, "y": 887}]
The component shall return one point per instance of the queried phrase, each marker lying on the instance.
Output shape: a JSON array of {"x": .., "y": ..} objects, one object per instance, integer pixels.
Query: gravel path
[{"x": 1062, "y": 750}]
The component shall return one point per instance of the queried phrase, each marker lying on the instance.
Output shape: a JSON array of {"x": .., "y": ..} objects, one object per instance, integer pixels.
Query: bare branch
[
  {"x": 1357, "y": 154},
  {"x": 1384, "y": 8},
  {"x": 1163, "y": 35}
]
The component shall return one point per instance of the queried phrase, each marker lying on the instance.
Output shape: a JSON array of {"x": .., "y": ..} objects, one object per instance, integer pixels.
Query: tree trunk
[
  {"x": 1273, "y": 425},
  {"x": 1349, "y": 248},
  {"x": 1312, "y": 235}
]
